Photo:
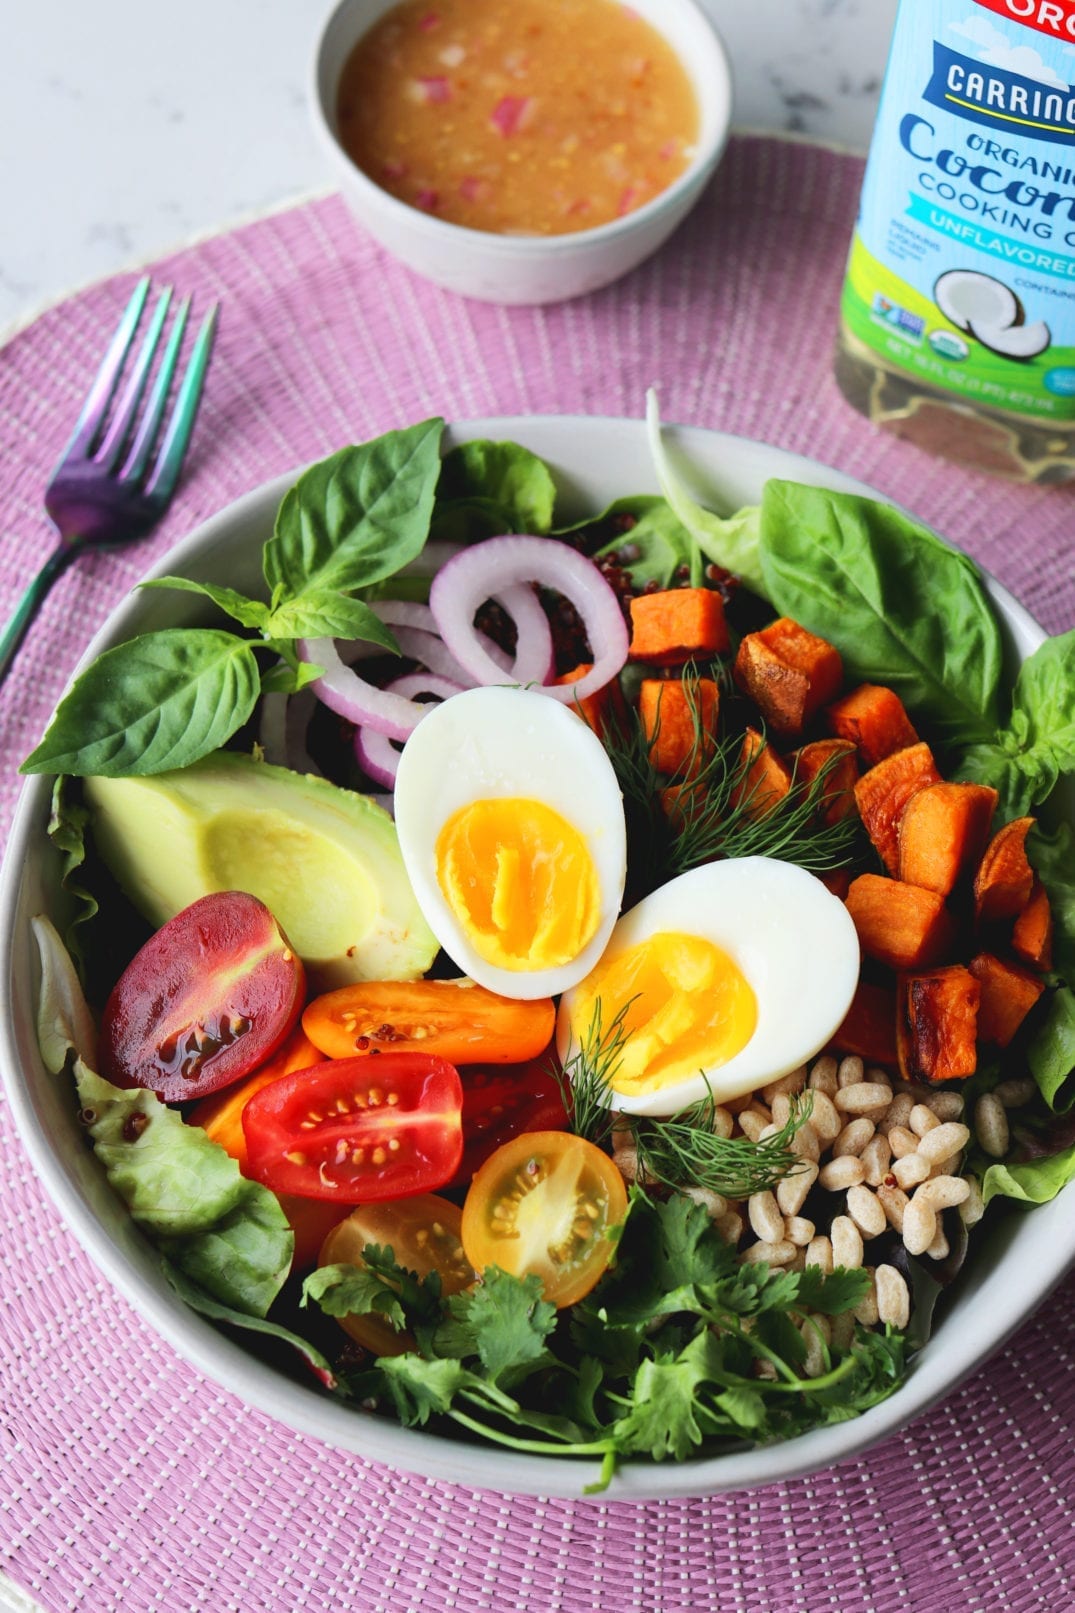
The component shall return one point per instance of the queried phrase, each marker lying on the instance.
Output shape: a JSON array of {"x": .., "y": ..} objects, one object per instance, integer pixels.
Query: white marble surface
[{"x": 128, "y": 128}]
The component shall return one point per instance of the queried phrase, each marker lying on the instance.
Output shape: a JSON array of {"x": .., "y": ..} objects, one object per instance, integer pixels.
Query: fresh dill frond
[
  {"x": 684, "y": 1150},
  {"x": 586, "y": 1080}
]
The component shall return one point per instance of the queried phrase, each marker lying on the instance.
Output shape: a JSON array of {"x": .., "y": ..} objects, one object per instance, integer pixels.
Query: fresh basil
[
  {"x": 325, "y": 613},
  {"x": 1050, "y": 1052},
  {"x": 650, "y": 543},
  {"x": 902, "y": 607},
  {"x": 247, "y": 612},
  {"x": 357, "y": 516},
  {"x": 1024, "y": 760},
  {"x": 508, "y": 489},
  {"x": 159, "y": 701},
  {"x": 1051, "y": 853}
]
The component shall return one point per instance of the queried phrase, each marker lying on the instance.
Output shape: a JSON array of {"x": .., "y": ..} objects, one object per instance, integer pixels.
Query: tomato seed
[
  {"x": 379, "y": 1156},
  {"x": 296, "y": 1158},
  {"x": 362, "y": 1044},
  {"x": 358, "y": 1157},
  {"x": 375, "y": 1096},
  {"x": 393, "y": 1145},
  {"x": 392, "y": 1099}
]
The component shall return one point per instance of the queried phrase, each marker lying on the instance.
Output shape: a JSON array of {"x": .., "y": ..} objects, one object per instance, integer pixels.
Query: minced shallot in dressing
[{"x": 531, "y": 117}]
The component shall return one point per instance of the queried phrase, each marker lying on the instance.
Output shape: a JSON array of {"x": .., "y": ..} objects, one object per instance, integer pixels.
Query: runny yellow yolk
[
  {"x": 686, "y": 1006},
  {"x": 521, "y": 882}
]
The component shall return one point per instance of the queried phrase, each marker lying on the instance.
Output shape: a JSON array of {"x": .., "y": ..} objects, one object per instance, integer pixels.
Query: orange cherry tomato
[
  {"x": 423, "y": 1234},
  {"x": 455, "y": 1019},
  {"x": 546, "y": 1203},
  {"x": 221, "y": 1117}
]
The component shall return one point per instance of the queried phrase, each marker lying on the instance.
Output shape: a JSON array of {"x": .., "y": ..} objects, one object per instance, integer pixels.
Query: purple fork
[{"x": 117, "y": 476}]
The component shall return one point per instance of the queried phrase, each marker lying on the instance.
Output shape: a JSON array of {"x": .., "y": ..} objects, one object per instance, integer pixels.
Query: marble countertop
[{"x": 126, "y": 130}]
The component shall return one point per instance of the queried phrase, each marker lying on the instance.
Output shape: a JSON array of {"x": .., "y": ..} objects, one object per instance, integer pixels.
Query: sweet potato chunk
[
  {"x": 788, "y": 673},
  {"x": 882, "y": 793},
  {"x": 1009, "y": 992},
  {"x": 900, "y": 925},
  {"x": 767, "y": 779},
  {"x": 836, "y": 757},
  {"x": 873, "y": 719},
  {"x": 603, "y": 711},
  {"x": 942, "y": 833},
  {"x": 680, "y": 723},
  {"x": 1032, "y": 934},
  {"x": 676, "y": 625},
  {"x": 1005, "y": 879},
  {"x": 937, "y": 1024},
  {"x": 870, "y": 1026}
]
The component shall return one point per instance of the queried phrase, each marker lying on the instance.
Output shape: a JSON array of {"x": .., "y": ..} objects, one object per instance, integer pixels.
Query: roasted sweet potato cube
[
  {"x": 604, "y": 711},
  {"x": 767, "y": 778},
  {"x": 874, "y": 720},
  {"x": 882, "y": 793},
  {"x": 900, "y": 925},
  {"x": 1005, "y": 879},
  {"x": 677, "y": 625},
  {"x": 680, "y": 723},
  {"x": 837, "y": 760},
  {"x": 1009, "y": 992},
  {"x": 1032, "y": 933},
  {"x": 942, "y": 832},
  {"x": 788, "y": 673},
  {"x": 937, "y": 1024},
  {"x": 869, "y": 1028}
]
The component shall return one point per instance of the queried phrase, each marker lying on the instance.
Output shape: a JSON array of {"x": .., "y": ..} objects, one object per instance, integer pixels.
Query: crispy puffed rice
[
  {"x": 791, "y": 1190},
  {"x": 903, "y": 1141},
  {"x": 910, "y": 1170},
  {"x": 893, "y": 1297},
  {"x": 715, "y": 1204},
  {"x": 942, "y": 1192},
  {"x": 854, "y": 1137},
  {"x": 945, "y": 1105},
  {"x": 825, "y": 1118},
  {"x": 774, "y": 1254},
  {"x": 840, "y": 1174},
  {"x": 765, "y": 1217},
  {"x": 1018, "y": 1091},
  {"x": 973, "y": 1207},
  {"x": 922, "y": 1119},
  {"x": 949, "y": 1138},
  {"x": 817, "y": 1334},
  {"x": 862, "y": 1097},
  {"x": 866, "y": 1210},
  {"x": 846, "y": 1242},
  {"x": 850, "y": 1071},
  {"x": 894, "y": 1202},
  {"x": 781, "y": 1110},
  {"x": 938, "y": 1249},
  {"x": 919, "y": 1226},
  {"x": 805, "y": 1143},
  {"x": 819, "y": 1254},
  {"x": 752, "y": 1122},
  {"x": 823, "y": 1075},
  {"x": 898, "y": 1112},
  {"x": 843, "y": 1330},
  {"x": 723, "y": 1122},
  {"x": 788, "y": 1084},
  {"x": 867, "y": 1311},
  {"x": 799, "y": 1230},
  {"x": 730, "y": 1226},
  {"x": 876, "y": 1157},
  {"x": 991, "y": 1125}
]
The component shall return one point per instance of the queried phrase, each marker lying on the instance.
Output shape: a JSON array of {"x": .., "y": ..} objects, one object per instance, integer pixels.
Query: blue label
[{"x": 1000, "y": 99}]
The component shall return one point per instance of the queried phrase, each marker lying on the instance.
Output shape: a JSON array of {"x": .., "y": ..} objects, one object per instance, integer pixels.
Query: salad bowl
[{"x": 1014, "y": 1263}]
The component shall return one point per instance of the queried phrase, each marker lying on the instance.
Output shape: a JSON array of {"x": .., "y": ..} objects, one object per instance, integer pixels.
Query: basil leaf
[
  {"x": 159, "y": 701},
  {"x": 248, "y": 612},
  {"x": 501, "y": 477},
  {"x": 357, "y": 516},
  {"x": 1026, "y": 758},
  {"x": 1050, "y": 1053},
  {"x": 1020, "y": 783},
  {"x": 651, "y": 539},
  {"x": 324, "y": 613},
  {"x": 288, "y": 678},
  {"x": 902, "y": 607},
  {"x": 1052, "y": 857}
]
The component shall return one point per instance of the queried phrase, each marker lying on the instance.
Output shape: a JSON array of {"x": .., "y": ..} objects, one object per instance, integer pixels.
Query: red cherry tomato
[
  {"x": 208, "y": 998},
  {"x": 501, "y": 1101},
  {"x": 358, "y": 1130}
]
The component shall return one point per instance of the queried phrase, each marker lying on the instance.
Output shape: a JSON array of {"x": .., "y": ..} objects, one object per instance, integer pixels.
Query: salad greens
[{"x": 678, "y": 1346}]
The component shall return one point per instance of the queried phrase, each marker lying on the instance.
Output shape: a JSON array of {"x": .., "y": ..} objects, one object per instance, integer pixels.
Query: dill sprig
[
  {"x": 720, "y": 816},
  {"x": 683, "y": 1150}
]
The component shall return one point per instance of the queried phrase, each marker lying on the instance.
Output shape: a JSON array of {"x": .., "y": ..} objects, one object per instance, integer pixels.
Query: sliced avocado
[{"x": 325, "y": 861}]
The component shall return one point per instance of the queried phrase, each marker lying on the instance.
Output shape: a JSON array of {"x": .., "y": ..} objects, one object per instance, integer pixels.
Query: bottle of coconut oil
[{"x": 958, "y": 313}]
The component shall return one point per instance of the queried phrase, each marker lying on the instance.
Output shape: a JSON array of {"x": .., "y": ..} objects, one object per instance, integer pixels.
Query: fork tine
[
  {"x": 134, "y": 466},
  {"x": 119, "y": 428},
  {"x": 104, "y": 384},
  {"x": 165, "y": 474}
]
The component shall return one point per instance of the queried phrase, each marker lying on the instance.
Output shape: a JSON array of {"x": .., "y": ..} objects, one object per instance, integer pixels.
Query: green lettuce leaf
[
  {"x": 1035, "y": 1181},
  {"x": 1050, "y": 1052}
]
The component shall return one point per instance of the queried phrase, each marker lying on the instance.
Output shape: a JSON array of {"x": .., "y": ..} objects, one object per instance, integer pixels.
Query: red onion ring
[
  {"x": 375, "y": 752},
  {"x": 498, "y": 566},
  {"x": 361, "y": 702}
]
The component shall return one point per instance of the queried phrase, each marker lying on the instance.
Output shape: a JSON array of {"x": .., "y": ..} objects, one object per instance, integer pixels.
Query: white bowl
[
  {"x": 1013, "y": 1266},
  {"x": 518, "y": 268}
]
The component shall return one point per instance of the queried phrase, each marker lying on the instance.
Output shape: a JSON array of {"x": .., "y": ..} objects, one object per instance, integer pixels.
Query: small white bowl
[{"x": 528, "y": 268}]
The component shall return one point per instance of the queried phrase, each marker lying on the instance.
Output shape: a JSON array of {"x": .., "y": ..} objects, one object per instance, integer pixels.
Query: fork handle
[{"x": 31, "y": 602}]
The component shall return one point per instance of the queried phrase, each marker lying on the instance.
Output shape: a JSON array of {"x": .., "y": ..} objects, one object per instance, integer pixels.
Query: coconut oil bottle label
[{"x": 962, "y": 266}]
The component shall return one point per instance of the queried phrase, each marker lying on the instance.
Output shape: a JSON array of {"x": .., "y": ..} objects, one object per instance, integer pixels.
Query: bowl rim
[
  {"x": 302, "y": 1407},
  {"x": 715, "y": 84}
]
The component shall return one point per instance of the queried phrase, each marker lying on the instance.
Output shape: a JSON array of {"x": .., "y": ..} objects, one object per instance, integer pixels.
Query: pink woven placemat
[{"x": 127, "y": 1482}]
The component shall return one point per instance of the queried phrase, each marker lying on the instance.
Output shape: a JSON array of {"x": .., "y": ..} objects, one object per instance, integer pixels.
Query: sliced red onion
[
  {"x": 499, "y": 565},
  {"x": 376, "y": 756},
  {"x": 409, "y": 619},
  {"x": 413, "y": 684},
  {"x": 350, "y": 696}
]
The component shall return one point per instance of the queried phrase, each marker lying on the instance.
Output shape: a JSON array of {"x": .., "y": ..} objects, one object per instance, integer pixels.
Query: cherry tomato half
[
  {"x": 423, "y": 1234},
  {"x": 208, "y": 998},
  {"x": 545, "y": 1203},
  {"x": 501, "y": 1101},
  {"x": 455, "y": 1019},
  {"x": 360, "y": 1129}
]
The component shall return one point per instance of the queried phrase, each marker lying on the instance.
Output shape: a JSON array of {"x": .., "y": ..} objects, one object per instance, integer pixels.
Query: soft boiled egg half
[
  {"x": 728, "y": 977},
  {"x": 510, "y": 822}
]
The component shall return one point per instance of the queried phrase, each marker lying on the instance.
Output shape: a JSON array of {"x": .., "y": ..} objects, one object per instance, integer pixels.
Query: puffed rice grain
[
  {"x": 824, "y": 1117},
  {"x": 876, "y": 1157},
  {"x": 866, "y": 1311},
  {"x": 862, "y": 1096},
  {"x": 765, "y": 1218},
  {"x": 1013, "y": 1093},
  {"x": 799, "y": 1230},
  {"x": 823, "y": 1075},
  {"x": 919, "y": 1226},
  {"x": 715, "y": 1204},
  {"x": 910, "y": 1170},
  {"x": 903, "y": 1141},
  {"x": 942, "y": 1192},
  {"x": 893, "y": 1297},
  {"x": 841, "y": 1173},
  {"x": 817, "y": 1334},
  {"x": 791, "y": 1190},
  {"x": 973, "y": 1207},
  {"x": 945, "y": 1105},
  {"x": 846, "y": 1242},
  {"x": 922, "y": 1119},
  {"x": 866, "y": 1211},
  {"x": 774, "y": 1254},
  {"x": 854, "y": 1137},
  {"x": 991, "y": 1125},
  {"x": 850, "y": 1071},
  {"x": 949, "y": 1138},
  {"x": 819, "y": 1254}
]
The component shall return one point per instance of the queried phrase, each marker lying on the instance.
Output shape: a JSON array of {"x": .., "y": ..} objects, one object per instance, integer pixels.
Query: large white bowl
[
  {"x": 1016, "y": 1261},
  {"x": 527, "y": 268}
]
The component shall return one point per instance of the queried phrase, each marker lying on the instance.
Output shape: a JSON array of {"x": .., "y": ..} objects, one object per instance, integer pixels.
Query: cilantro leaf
[
  {"x": 353, "y": 1291},
  {"x": 504, "y": 1321}
]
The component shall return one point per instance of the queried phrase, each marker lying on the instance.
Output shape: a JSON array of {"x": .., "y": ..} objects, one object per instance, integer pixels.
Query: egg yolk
[
  {"x": 686, "y": 1006},
  {"x": 521, "y": 882}
]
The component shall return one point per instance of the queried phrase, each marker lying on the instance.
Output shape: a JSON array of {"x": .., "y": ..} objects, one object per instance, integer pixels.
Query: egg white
[
  {"x": 794, "y": 942},
  {"x": 496, "y": 743}
]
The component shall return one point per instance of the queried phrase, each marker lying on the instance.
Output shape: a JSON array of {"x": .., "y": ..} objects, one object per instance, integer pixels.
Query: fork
[{"x": 117, "y": 476}]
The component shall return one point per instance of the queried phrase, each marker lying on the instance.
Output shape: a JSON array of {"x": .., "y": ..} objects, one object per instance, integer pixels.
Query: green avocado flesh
[{"x": 325, "y": 861}]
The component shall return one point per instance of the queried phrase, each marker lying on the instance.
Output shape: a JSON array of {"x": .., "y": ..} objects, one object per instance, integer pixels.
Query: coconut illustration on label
[{"x": 990, "y": 311}]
